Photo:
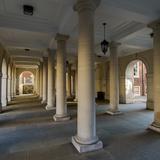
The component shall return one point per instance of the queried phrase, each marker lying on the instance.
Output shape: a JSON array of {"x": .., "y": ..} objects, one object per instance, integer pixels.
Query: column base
[
  {"x": 150, "y": 105},
  {"x": 113, "y": 113},
  {"x": 87, "y": 147},
  {"x": 49, "y": 108},
  {"x": 155, "y": 127},
  {"x": 43, "y": 102},
  {"x": 61, "y": 118},
  {"x": 75, "y": 100}
]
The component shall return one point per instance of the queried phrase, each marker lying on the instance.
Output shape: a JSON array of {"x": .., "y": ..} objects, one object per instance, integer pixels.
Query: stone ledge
[{"x": 82, "y": 148}]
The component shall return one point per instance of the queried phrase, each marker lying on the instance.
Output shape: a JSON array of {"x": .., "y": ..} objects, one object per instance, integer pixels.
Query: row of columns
[{"x": 86, "y": 138}]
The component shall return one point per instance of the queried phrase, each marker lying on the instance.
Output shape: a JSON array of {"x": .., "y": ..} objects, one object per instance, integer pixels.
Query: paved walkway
[{"x": 28, "y": 132}]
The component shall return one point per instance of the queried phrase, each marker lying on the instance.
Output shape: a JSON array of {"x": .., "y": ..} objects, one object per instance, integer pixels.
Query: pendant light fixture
[{"x": 104, "y": 43}]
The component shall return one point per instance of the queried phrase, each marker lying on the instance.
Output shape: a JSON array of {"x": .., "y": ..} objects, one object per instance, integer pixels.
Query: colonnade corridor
[
  {"x": 79, "y": 80},
  {"x": 28, "y": 132}
]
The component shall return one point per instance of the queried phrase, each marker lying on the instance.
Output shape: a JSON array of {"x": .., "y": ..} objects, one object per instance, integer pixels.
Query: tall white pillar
[
  {"x": 107, "y": 82},
  {"x": 114, "y": 80},
  {"x": 38, "y": 81},
  {"x": 0, "y": 92},
  {"x": 51, "y": 82},
  {"x": 44, "y": 97},
  {"x": 14, "y": 81},
  {"x": 9, "y": 86},
  {"x": 41, "y": 80},
  {"x": 156, "y": 76},
  {"x": 4, "y": 90},
  {"x": 69, "y": 94},
  {"x": 61, "y": 108},
  {"x": 76, "y": 85},
  {"x": 86, "y": 138}
]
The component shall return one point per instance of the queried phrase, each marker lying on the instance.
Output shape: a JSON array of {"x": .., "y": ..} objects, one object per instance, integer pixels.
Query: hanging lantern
[{"x": 104, "y": 43}]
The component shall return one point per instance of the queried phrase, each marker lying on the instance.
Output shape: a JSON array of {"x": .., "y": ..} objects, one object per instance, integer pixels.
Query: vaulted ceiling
[{"x": 126, "y": 23}]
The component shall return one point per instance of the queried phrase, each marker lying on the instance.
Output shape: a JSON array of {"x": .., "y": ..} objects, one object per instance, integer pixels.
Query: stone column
[
  {"x": 107, "y": 96},
  {"x": 150, "y": 104},
  {"x": 44, "y": 97},
  {"x": 0, "y": 92},
  {"x": 14, "y": 81},
  {"x": 122, "y": 90},
  {"x": 4, "y": 90},
  {"x": 69, "y": 93},
  {"x": 41, "y": 80},
  {"x": 61, "y": 108},
  {"x": 51, "y": 82},
  {"x": 9, "y": 88},
  {"x": 38, "y": 82},
  {"x": 86, "y": 138},
  {"x": 74, "y": 83},
  {"x": 99, "y": 85},
  {"x": 114, "y": 80},
  {"x": 156, "y": 76}
]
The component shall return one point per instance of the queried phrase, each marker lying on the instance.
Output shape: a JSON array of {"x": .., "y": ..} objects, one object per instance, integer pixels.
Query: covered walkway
[{"x": 28, "y": 132}]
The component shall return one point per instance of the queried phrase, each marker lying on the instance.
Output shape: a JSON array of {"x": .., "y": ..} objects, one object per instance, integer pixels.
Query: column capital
[
  {"x": 86, "y": 4},
  {"x": 61, "y": 37},
  {"x": 114, "y": 44},
  {"x": 155, "y": 25}
]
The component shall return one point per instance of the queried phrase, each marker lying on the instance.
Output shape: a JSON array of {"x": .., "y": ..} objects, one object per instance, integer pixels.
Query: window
[
  {"x": 136, "y": 70},
  {"x": 137, "y": 91}
]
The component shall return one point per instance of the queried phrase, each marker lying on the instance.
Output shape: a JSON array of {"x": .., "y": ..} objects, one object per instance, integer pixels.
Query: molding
[
  {"x": 27, "y": 24},
  {"x": 126, "y": 29}
]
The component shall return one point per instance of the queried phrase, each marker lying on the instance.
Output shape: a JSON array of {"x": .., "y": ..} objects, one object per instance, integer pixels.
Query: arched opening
[
  {"x": 4, "y": 84},
  {"x": 26, "y": 83},
  {"x": 136, "y": 82}
]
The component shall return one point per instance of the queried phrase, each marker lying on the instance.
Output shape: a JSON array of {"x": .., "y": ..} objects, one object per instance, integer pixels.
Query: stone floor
[{"x": 28, "y": 132}]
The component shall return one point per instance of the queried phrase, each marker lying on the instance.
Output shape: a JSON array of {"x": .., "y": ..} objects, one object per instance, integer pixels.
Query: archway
[
  {"x": 26, "y": 83},
  {"x": 4, "y": 84},
  {"x": 136, "y": 82}
]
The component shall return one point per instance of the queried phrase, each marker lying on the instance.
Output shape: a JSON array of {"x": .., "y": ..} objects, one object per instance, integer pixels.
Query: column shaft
[
  {"x": 69, "y": 93},
  {"x": 9, "y": 89},
  {"x": 44, "y": 98},
  {"x": 41, "y": 80},
  {"x": 156, "y": 77},
  {"x": 86, "y": 138},
  {"x": 114, "y": 80},
  {"x": 0, "y": 92},
  {"x": 51, "y": 82},
  {"x": 61, "y": 108}
]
